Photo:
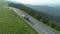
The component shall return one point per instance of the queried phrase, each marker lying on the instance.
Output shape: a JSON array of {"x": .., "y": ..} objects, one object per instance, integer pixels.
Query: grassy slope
[{"x": 11, "y": 23}]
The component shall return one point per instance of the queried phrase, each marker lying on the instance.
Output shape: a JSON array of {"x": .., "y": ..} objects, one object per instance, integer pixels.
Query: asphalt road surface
[{"x": 40, "y": 28}]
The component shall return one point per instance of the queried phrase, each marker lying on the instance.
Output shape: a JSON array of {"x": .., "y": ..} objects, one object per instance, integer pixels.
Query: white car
[{"x": 23, "y": 15}]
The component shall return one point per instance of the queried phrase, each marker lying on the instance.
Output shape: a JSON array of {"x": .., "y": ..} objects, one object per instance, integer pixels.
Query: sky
[{"x": 39, "y": 2}]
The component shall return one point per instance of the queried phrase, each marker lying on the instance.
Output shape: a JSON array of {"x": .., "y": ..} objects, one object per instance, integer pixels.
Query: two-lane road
[{"x": 40, "y": 28}]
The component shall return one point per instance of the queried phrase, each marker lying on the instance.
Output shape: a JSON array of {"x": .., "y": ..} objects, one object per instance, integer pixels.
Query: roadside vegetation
[
  {"x": 11, "y": 23},
  {"x": 44, "y": 18}
]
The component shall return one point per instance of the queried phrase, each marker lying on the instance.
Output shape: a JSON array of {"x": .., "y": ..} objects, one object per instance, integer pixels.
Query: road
[{"x": 40, "y": 28}]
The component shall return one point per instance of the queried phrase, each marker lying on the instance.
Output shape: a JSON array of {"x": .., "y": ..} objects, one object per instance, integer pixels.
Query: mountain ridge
[{"x": 46, "y": 9}]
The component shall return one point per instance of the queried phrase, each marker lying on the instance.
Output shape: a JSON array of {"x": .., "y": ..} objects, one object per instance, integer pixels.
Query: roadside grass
[
  {"x": 57, "y": 32},
  {"x": 11, "y": 23}
]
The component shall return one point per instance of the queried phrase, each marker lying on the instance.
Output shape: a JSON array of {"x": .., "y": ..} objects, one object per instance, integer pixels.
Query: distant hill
[{"x": 46, "y": 9}]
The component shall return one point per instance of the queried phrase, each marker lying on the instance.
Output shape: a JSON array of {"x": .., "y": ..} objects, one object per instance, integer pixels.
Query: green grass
[{"x": 11, "y": 23}]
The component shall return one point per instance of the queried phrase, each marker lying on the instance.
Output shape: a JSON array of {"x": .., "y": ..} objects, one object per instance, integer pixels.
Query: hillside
[
  {"x": 41, "y": 16},
  {"x": 11, "y": 23},
  {"x": 46, "y": 9}
]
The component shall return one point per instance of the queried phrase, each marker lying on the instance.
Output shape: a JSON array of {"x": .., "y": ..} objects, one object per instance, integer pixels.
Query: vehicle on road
[{"x": 25, "y": 17}]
